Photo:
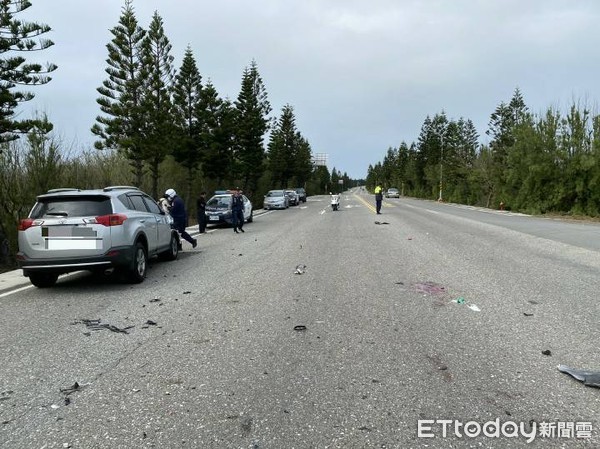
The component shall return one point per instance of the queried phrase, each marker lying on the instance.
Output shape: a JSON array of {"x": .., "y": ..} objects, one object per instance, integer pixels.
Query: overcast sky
[{"x": 361, "y": 75}]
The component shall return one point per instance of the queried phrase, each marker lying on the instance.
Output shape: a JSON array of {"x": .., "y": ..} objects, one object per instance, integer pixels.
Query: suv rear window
[{"x": 80, "y": 206}]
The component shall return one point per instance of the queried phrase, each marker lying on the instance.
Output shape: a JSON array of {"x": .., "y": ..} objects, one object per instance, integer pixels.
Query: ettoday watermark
[{"x": 444, "y": 428}]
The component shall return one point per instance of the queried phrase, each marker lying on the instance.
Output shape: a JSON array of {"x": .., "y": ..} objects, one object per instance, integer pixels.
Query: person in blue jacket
[
  {"x": 237, "y": 210},
  {"x": 179, "y": 215}
]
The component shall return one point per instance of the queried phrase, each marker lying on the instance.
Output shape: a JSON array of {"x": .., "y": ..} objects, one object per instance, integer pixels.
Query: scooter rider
[{"x": 335, "y": 201}]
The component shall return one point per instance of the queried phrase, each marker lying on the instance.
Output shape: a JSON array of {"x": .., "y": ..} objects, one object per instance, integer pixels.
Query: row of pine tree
[{"x": 534, "y": 163}]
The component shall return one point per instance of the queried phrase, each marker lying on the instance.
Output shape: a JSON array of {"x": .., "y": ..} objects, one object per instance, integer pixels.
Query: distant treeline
[{"x": 534, "y": 163}]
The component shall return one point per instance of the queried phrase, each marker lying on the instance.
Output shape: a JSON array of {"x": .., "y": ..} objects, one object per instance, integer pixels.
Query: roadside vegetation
[{"x": 545, "y": 163}]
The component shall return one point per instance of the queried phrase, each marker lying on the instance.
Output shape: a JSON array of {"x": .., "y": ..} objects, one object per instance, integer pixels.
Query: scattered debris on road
[
  {"x": 72, "y": 389},
  {"x": 150, "y": 323},
  {"x": 381, "y": 222},
  {"x": 589, "y": 378},
  {"x": 474, "y": 308},
  {"x": 300, "y": 327},
  {"x": 459, "y": 300},
  {"x": 187, "y": 292},
  {"x": 547, "y": 352},
  {"x": 157, "y": 299},
  {"x": 527, "y": 314},
  {"x": 97, "y": 325},
  {"x": 300, "y": 269}
]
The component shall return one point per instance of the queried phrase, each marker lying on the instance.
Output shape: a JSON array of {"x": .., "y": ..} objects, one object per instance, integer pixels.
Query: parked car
[
  {"x": 218, "y": 208},
  {"x": 301, "y": 193},
  {"x": 276, "y": 199},
  {"x": 392, "y": 193},
  {"x": 97, "y": 230},
  {"x": 293, "y": 197}
]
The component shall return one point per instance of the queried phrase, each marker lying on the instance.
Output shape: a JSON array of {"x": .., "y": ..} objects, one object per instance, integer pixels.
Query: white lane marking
[{"x": 15, "y": 291}]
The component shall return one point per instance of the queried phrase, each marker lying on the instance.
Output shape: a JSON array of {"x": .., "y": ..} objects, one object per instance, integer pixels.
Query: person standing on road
[
  {"x": 378, "y": 198},
  {"x": 179, "y": 216},
  {"x": 237, "y": 210},
  {"x": 201, "y": 212}
]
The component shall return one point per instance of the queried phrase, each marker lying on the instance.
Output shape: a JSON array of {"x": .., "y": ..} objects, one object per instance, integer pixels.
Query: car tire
[
  {"x": 43, "y": 280},
  {"x": 140, "y": 264},
  {"x": 251, "y": 217},
  {"x": 173, "y": 251}
]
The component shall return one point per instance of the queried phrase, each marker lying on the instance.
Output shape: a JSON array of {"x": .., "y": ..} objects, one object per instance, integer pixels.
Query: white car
[
  {"x": 276, "y": 199},
  {"x": 392, "y": 193}
]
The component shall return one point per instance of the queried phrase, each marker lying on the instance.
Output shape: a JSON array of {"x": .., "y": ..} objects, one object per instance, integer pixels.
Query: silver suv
[{"x": 98, "y": 230}]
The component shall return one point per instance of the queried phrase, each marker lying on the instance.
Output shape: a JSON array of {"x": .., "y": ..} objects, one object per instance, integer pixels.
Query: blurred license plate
[
  {"x": 214, "y": 218},
  {"x": 58, "y": 244}
]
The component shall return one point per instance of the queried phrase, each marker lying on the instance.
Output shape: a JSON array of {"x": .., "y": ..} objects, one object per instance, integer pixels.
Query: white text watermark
[{"x": 444, "y": 428}]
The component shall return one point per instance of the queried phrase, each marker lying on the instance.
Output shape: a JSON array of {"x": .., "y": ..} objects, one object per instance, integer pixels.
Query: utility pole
[{"x": 441, "y": 166}]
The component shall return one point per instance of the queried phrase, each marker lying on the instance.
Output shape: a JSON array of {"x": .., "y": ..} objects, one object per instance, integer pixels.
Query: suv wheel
[
  {"x": 173, "y": 251},
  {"x": 43, "y": 280},
  {"x": 140, "y": 264}
]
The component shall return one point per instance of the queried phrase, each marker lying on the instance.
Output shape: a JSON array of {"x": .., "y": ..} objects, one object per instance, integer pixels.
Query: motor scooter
[{"x": 335, "y": 202}]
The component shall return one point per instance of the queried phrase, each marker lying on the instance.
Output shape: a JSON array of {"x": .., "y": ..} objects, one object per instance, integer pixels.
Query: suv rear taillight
[
  {"x": 27, "y": 223},
  {"x": 111, "y": 219}
]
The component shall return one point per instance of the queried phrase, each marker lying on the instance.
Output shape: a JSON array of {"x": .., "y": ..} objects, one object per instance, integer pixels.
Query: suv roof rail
[
  {"x": 64, "y": 189},
  {"x": 109, "y": 188}
]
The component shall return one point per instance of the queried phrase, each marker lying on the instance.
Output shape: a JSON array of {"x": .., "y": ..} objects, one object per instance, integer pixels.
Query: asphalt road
[{"x": 212, "y": 359}]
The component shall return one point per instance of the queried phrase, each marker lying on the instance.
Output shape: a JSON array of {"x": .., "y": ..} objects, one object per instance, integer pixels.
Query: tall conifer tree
[
  {"x": 120, "y": 95},
  {"x": 158, "y": 76},
  {"x": 16, "y": 38},
  {"x": 188, "y": 108},
  {"x": 252, "y": 108}
]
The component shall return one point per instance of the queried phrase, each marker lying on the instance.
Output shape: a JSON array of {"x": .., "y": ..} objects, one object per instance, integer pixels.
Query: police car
[{"x": 218, "y": 208}]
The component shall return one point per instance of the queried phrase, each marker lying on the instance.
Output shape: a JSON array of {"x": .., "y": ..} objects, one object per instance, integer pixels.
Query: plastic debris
[
  {"x": 300, "y": 269},
  {"x": 300, "y": 327},
  {"x": 547, "y": 352},
  {"x": 72, "y": 389},
  {"x": 461, "y": 300},
  {"x": 97, "y": 325},
  {"x": 381, "y": 222},
  {"x": 589, "y": 378},
  {"x": 527, "y": 314}
]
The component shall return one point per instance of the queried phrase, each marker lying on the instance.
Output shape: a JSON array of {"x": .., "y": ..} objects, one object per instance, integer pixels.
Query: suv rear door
[
  {"x": 163, "y": 226},
  {"x": 140, "y": 218}
]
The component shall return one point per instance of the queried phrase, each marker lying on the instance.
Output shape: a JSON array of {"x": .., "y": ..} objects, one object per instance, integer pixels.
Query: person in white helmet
[{"x": 179, "y": 216}]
